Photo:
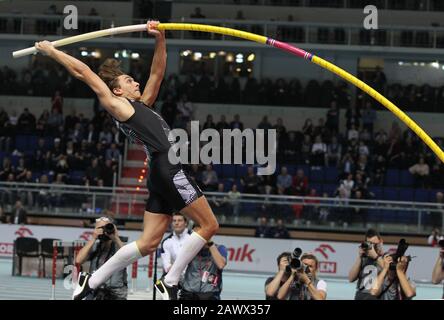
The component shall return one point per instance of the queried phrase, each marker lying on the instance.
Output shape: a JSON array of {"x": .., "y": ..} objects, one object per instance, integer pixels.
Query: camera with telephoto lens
[
  {"x": 295, "y": 262},
  {"x": 107, "y": 230},
  {"x": 400, "y": 251}
]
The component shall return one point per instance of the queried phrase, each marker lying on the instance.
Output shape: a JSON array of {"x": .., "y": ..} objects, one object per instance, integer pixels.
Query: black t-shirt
[
  {"x": 275, "y": 296},
  {"x": 366, "y": 278}
]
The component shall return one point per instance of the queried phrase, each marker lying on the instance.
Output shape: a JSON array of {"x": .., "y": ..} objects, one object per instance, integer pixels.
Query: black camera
[
  {"x": 366, "y": 246},
  {"x": 107, "y": 230},
  {"x": 296, "y": 263},
  {"x": 400, "y": 251},
  {"x": 441, "y": 243}
]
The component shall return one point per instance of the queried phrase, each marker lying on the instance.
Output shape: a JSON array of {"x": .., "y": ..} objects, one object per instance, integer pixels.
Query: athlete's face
[
  {"x": 179, "y": 224},
  {"x": 128, "y": 88}
]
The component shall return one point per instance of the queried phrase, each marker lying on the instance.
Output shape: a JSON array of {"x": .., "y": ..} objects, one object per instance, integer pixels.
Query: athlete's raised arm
[
  {"x": 81, "y": 71},
  {"x": 158, "y": 65}
]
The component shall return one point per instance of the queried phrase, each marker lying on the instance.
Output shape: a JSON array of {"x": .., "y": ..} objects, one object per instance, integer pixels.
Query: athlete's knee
[
  {"x": 147, "y": 246},
  {"x": 212, "y": 226}
]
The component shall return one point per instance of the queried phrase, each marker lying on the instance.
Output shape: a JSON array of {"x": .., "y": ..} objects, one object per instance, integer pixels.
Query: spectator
[
  {"x": 280, "y": 231},
  {"x": 263, "y": 230},
  {"x": 57, "y": 102},
  {"x": 93, "y": 173},
  {"x": 420, "y": 172},
  {"x": 306, "y": 149},
  {"x": 3, "y": 218},
  {"x": 222, "y": 124},
  {"x": 318, "y": 152},
  {"x": 333, "y": 117},
  {"x": 348, "y": 185},
  {"x": 185, "y": 111},
  {"x": 308, "y": 128},
  {"x": 113, "y": 153},
  {"x": 352, "y": 133},
  {"x": 310, "y": 212},
  {"x": 169, "y": 110},
  {"x": 26, "y": 122},
  {"x": 251, "y": 182},
  {"x": 106, "y": 137},
  {"x": 353, "y": 117},
  {"x": 300, "y": 183},
  {"x": 236, "y": 123},
  {"x": 108, "y": 172},
  {"x": 347, "y": 165},
  {"x": 284, "y": 181},
  {"x": 359, "y": 214},
  {"x": 233, "y": 200},
  {"x": 197, "y": 14},
  {"x": 265, "y": 125},
  {"x": 19, "y": 214},
  {"x": 334, "y": 151},
  {"x": 91, "y": 136},
  {"x": 437, "y": 217},
  {"x": 209, "y": 124},
  {"x": 434, "y": 238},
  {"x": 209, "y": 179},
  {"x": 368, "y": 117}
]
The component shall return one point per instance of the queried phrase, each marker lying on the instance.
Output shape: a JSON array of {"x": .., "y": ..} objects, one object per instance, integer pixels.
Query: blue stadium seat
[
  {"x": 331, "y": 174},
  {"x": 21, "y": 143},
  {"x": 377, "y": 191},
  {"x": 421, "y": 195},
  {"x": 391, "y": 194},
  {"x": 291, "y": 168},
  {"x": 317, "y": 175},
  {"x": 227, "y": 184},
  {"x": 406, "y": 179},
  {"x": 330, "y": 189},
  {"x": 406, "y": 194},
  {"x": 218, "y": 169},
  {"x": 229, "y": 171},
  {"x": 432, "y": 195},
  {"x": 241, "y": 170},
  {"x": 76, "y": 176},
  {"x": 392, "y": 178}
]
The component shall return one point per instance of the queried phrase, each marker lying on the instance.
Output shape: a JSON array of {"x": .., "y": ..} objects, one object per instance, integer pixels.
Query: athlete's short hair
[{"x": 109, "y": 71}]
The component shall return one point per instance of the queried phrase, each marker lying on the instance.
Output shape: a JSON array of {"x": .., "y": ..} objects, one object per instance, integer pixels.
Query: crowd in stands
[
  {"x": 57, "y": 149},
  {"x": 44, "y": 78}
]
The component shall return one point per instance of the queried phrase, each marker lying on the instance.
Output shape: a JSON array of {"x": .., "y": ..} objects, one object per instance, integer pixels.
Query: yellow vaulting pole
[{"x": 263, "y": 40}]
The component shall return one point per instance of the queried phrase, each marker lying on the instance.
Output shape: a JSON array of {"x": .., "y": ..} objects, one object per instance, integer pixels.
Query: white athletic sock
[
  {"x": 190, "y": 249},
  {"x": 123, "y": 257}
]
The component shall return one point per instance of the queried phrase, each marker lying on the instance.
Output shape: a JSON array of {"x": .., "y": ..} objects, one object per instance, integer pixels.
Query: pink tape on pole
[{"x": 289, "y": 48}]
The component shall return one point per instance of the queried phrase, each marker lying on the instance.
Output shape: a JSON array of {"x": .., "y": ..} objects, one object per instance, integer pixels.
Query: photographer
[
  {"x": 302, "y": 283},
  {"x": 392, "y": 282},
  {"x": 438, "y": 270},
  {"x": 367, "y": 265},
  {"x": 273, "y": 284},
  {"x": 203, "y": 276},
  {"x": 98, "y": 253}
]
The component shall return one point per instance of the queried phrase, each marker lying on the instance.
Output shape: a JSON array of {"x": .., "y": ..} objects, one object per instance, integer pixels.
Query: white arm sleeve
[{"x": 166, "y": 256}]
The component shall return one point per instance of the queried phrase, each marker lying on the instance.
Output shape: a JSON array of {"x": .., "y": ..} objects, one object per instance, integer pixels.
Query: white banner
[{"x": 244, "y": 253}]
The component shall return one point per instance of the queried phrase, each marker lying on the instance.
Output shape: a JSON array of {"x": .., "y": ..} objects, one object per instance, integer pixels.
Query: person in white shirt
[{"x": 174, "y": 242}]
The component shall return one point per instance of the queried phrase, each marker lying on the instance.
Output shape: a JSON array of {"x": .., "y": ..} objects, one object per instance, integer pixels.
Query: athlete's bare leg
[{"x": 199, "y": 211}]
